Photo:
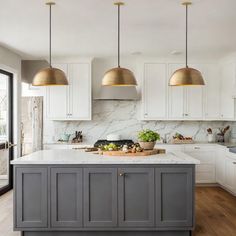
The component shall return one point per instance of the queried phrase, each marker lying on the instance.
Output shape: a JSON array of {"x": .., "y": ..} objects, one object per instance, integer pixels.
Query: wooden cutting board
[{"x": 143, "y": 153}]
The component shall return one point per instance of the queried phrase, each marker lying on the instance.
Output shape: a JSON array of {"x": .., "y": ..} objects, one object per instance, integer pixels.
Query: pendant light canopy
[
  {"x": 50, "y": 76},
  {"x": 186, "y": 76},
  {"x": 119, "y": 76}
]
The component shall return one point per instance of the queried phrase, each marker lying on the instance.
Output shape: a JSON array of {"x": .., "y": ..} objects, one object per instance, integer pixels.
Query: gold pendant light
[
  {"x": 186, "y": 76},
  {"x": 50, "y": 76},
  {"x": 119, "y": 76}
]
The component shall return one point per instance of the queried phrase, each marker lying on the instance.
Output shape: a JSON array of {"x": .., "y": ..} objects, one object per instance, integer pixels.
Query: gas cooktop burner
[{"x": 117, "y": 142}]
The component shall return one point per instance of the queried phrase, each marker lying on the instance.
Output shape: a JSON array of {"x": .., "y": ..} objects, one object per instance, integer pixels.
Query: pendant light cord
[
  {"x": 186, "y": 36},
  {"x": 118, "y": 35},
  {"x": 50, "y": 35}
]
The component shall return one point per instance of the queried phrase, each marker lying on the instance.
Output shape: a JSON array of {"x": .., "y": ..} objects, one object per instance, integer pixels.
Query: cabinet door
[
  {"x": 227, "y": 86},
  {"x": 57, "y": 99},
  {"x": 230, "y": 176},
  {"x": 136, "y": 197},
  {"x": 100, "y": 197},
  {"x": 205, "y": 171},
  {"x": 31, "y": 199},
  {"x": 176, "y": 96},
  {"x": 80, "y": 91},
  {"x": 155, "y": 91},
  {"x": 220, "y": 166},
  {"x": 212, "y": 92},
  {"x": 174, "y": 200},
  {"x": 194, "y": 98},
  {"x": 66, "y": 197}
]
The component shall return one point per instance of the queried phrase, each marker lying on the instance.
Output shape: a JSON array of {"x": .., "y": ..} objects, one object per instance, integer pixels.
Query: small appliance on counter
[{"x": 121, "y": 142}]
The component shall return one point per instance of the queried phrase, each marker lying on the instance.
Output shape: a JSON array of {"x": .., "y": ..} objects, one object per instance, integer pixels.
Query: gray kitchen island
[{"x": 73, "y": 193}]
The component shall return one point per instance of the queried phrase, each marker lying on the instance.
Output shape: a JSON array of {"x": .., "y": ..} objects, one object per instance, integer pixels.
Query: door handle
[{"x": 9, "y": 145}]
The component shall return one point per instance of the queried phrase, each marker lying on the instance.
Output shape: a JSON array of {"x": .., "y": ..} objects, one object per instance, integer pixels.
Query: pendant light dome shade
[
  {"x": 49, "y": 77},
  {"x": 119, "y": 77},
  {"x": 186, "y": 76}
]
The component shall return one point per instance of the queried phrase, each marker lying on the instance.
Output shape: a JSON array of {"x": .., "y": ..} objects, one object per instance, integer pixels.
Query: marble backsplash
[{"x": 123, "y": 117}]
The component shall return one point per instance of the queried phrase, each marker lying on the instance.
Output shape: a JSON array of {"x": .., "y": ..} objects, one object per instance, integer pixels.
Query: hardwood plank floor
[
  {"x": 6, "y": 215},
  {"x": 215, "y": 213}
]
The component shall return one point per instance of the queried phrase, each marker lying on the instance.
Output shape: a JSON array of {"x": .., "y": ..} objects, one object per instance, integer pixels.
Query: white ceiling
[{"x": 88, "y": 27}]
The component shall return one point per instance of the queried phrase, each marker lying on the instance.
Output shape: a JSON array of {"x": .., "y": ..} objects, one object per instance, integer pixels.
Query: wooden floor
[{"x": 215, "y": 213}]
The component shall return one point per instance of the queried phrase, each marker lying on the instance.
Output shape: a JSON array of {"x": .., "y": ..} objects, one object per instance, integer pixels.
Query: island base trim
[{"x": 110, "y": 233}]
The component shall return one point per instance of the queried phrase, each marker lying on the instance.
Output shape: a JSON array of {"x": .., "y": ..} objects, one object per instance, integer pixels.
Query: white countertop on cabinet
[{"x": 51, "y": 157}]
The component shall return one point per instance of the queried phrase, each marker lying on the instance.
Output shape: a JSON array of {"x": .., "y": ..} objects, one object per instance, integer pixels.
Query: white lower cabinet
[
  {"x": 230, "y": 174},
  {"x": 220, "y": 165},
  {"x": 205, "y": 171}
]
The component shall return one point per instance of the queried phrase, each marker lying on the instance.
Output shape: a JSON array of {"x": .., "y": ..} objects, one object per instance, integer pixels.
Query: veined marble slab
[{"x": 81, "y": 157}]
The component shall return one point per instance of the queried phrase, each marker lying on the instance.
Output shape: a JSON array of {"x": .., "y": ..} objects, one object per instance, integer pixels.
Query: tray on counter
[{"x": 143, "y": 153}]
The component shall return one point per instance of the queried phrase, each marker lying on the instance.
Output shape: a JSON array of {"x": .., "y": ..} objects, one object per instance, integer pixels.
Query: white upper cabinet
[
  {"x": 57, "y": 98},
  {"x": 80, "y": 91},
  {"x": 212, "y": 92},
  {"x": 176, "y": 96},
  {"x": 194, "y": 97},
  {"x": 71, "y": 102},
  {"x": 154, "y": 92},
  {"x": 227, "y": 87},
  {"x": 185, "y": 102}
]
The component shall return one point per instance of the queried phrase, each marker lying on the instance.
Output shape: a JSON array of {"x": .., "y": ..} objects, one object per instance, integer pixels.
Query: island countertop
[{"x": 80, "y": 157}]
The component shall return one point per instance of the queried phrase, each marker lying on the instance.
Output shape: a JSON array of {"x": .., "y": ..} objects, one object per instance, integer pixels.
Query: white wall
[{"x": 11, "y": 62}]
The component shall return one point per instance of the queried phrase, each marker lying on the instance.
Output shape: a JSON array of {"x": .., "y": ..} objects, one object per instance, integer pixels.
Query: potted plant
[{"x": 147, "y": 139}]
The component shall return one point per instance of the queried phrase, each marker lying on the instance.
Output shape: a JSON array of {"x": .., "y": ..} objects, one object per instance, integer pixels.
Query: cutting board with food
[
  {"x": 134, "y": 150},
  {"x": 142, "y": 153}
]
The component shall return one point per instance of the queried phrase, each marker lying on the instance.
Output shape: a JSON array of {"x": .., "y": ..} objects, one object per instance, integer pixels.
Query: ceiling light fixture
[
  {"x": 50, "y": 76},
  {"x": 186, "y": 76},
  {"x": 119, "y": 76}
]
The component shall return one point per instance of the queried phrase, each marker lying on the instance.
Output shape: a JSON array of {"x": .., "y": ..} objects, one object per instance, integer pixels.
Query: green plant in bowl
[{"x": 147, "y": 139}]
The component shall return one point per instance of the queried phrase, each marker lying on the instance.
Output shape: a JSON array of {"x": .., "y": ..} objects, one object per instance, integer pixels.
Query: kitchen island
[{"x": 74, "y": 193}]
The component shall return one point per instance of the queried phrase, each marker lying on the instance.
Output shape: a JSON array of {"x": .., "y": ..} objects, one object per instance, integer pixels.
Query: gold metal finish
[
  {"x": 187, "y": 3},
  {"x": 119, "y": 3},
  {"x": 186, "y": 76},
  {"x": 121, "y": 174},
  {"x": 50, "y": 76},
  {"x": 50, "y": 3},
  {"x": 119, "y": 77}
]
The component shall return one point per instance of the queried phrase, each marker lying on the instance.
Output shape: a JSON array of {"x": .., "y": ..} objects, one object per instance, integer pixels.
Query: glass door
[{"x": 6, "y": 130}]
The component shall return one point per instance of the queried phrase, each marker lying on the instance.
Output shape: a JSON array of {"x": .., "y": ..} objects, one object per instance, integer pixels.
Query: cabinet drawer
[{"x": 196, "y": 148}]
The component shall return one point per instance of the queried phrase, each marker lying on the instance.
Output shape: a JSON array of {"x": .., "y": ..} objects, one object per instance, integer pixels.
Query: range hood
[{"x": 117, "y": 93}]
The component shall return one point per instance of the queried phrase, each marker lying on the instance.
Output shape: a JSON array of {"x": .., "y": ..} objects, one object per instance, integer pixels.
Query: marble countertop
[
  {"x": 81, "y": 157},
  {"x": 227, "y": 144}
]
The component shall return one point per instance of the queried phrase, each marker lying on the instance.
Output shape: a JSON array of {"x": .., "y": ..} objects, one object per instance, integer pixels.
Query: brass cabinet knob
[{"x": 121, "y": 174}]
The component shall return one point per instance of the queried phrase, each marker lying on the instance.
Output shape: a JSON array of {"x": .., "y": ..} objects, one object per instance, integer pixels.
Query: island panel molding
[{"x": 120, "y": 194}]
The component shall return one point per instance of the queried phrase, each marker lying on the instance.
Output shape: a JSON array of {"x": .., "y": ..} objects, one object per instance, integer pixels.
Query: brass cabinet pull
[{"x": 121, "y": 174}]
